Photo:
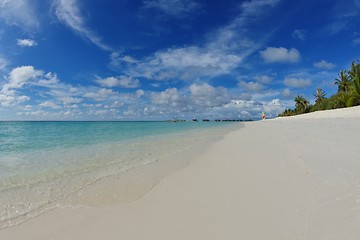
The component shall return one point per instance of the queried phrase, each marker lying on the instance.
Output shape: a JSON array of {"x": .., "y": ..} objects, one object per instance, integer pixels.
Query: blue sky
[{"x": 164, "y": 59}]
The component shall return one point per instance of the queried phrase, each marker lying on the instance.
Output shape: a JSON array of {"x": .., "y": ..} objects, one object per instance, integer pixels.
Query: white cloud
[
  {"x": 121, "y": 81},
  {"x": 274, "y": 107},
  {"x": 140, "y": 93},
  {"x": 282, "y": 55},
  {"x": 198, "y": 99},
  {"x": 19, "y": 76},
  {"x": 99, "y": 95},
  {"x": 23, "y": 74},
  {"x": 60, "y": 101},
  {"x": 206, "y": 92},
  {"x": 116, "y": 59},
  {"x": 297, "y": 82},
  {"x": 11, "y": 99},
  {"x": 48, "y": 80},
  {"x": 129, "y": 59},
  {"x": 286, "y": 93},
  {"x": 68, "y": 12},
  {"x": 70, "y": 100},
  {"x": 299, "y": 34},
  {"x": 3, "y": 63},
  {"x": 26, "y": 42},
  {"x": 264, "y": 79},
  {"x": 207, "y": 96},
  {"x": 19, "y": 13},
  {"x": 244, "y": 96},
  {"x": 113, "y": 105},
  {"x": 324, "y": 65},
  {"x": 250, "y": 109},
  {"x": 186, "y": 63},
  {"x": 202, "y": 90},
  {"x": 255, "y": 6},
  {"x": 6, "y": 100},
  {"x": 223, "y": 50},
  {"x": 174, "y": 8},
  {"x": 28, "y": 108},
  {"x": 49, "y": 104},
  {"x": 167, "y": 97},
  {"x": 251, "y": 86}
]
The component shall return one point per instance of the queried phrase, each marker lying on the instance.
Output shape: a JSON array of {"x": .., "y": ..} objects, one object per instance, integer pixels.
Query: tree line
[{"x": 348, "y": 94}]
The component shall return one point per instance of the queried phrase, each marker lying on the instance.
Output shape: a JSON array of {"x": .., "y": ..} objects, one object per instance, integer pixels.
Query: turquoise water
[
  {"x": 28, "y": 136},
  {"x": 44, "y": 165}
]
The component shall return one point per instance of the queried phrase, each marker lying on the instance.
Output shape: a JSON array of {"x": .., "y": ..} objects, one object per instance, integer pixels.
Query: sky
[{"x": 170, "y": 59}]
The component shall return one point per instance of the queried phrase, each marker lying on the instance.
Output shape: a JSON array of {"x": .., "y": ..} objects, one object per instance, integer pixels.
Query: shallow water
[{"x": 45, "y": 165}]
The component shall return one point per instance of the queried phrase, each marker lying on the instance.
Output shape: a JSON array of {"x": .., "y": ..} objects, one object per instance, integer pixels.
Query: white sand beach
[{"x": 292, "y": 178}]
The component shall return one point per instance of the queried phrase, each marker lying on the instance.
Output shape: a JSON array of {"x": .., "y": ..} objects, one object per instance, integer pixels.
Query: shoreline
[
  {"x": 114, "y": 173},
  {"x": 287, "y": 178}
]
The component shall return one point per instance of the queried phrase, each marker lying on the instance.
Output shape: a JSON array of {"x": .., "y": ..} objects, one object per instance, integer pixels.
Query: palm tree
[
  {"x": 343, "y": 82},
  {"x": 354, "y": 75},
  {"x": 354, "y": 71},
  {"x": 320, "y": 95},
  {"x": 356, "y": 85},
  {"x": 356, "y": 90},
  {"x": 301, "y": 104}
]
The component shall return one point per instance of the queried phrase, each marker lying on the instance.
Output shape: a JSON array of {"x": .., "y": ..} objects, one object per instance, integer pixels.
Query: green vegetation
[{"x": 348, "y": 94}]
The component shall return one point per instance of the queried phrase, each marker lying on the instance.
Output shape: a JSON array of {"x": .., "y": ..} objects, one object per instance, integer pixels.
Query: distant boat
[{"x": 194, "y": 120}]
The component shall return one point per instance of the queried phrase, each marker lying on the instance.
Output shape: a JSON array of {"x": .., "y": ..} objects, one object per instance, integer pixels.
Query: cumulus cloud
[
  {"x": 251, "y": 109},
  {"x": 58, "y": 100},
  {"x": 185, "y": 63},
  {"x": 140, "y": 93},
  {"x": 121, "y": 81},
  {"x": 19, "y": 76},
  {"x": 286, "y": 93},
  {"x": 324, "y": 65},
  {"x": 19, "y": 13},
  {"x": 26, "y": 42},
  {"x": 49, "y": 104},
  {"x": 168, "y": 97},
  {"x": 17, "y": 79},
  {"x": 205, "y": 95},
  {"x": 11, "y": 99},
  {"x": 48, "y": 80},
  {"x": 264, "y": 79},
  {"x": 68, "y": 12},
  {"x": 198, "y": 99},
  {"x": 99, "y": 95},
  {"x": 174, "y": 8},
  {"x": 70, "y": 100},
  {"x": 281, "y": 55},
  {"x": 297, "y": 82},
  {"x": 251, "y": 86}
]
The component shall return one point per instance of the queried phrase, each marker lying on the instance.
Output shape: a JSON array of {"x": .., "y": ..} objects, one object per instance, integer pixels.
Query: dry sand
[{"x": 288, "y": 178}]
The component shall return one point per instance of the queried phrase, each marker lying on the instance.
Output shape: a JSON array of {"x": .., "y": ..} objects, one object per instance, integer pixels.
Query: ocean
[{"x": 48, "y": 165}]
